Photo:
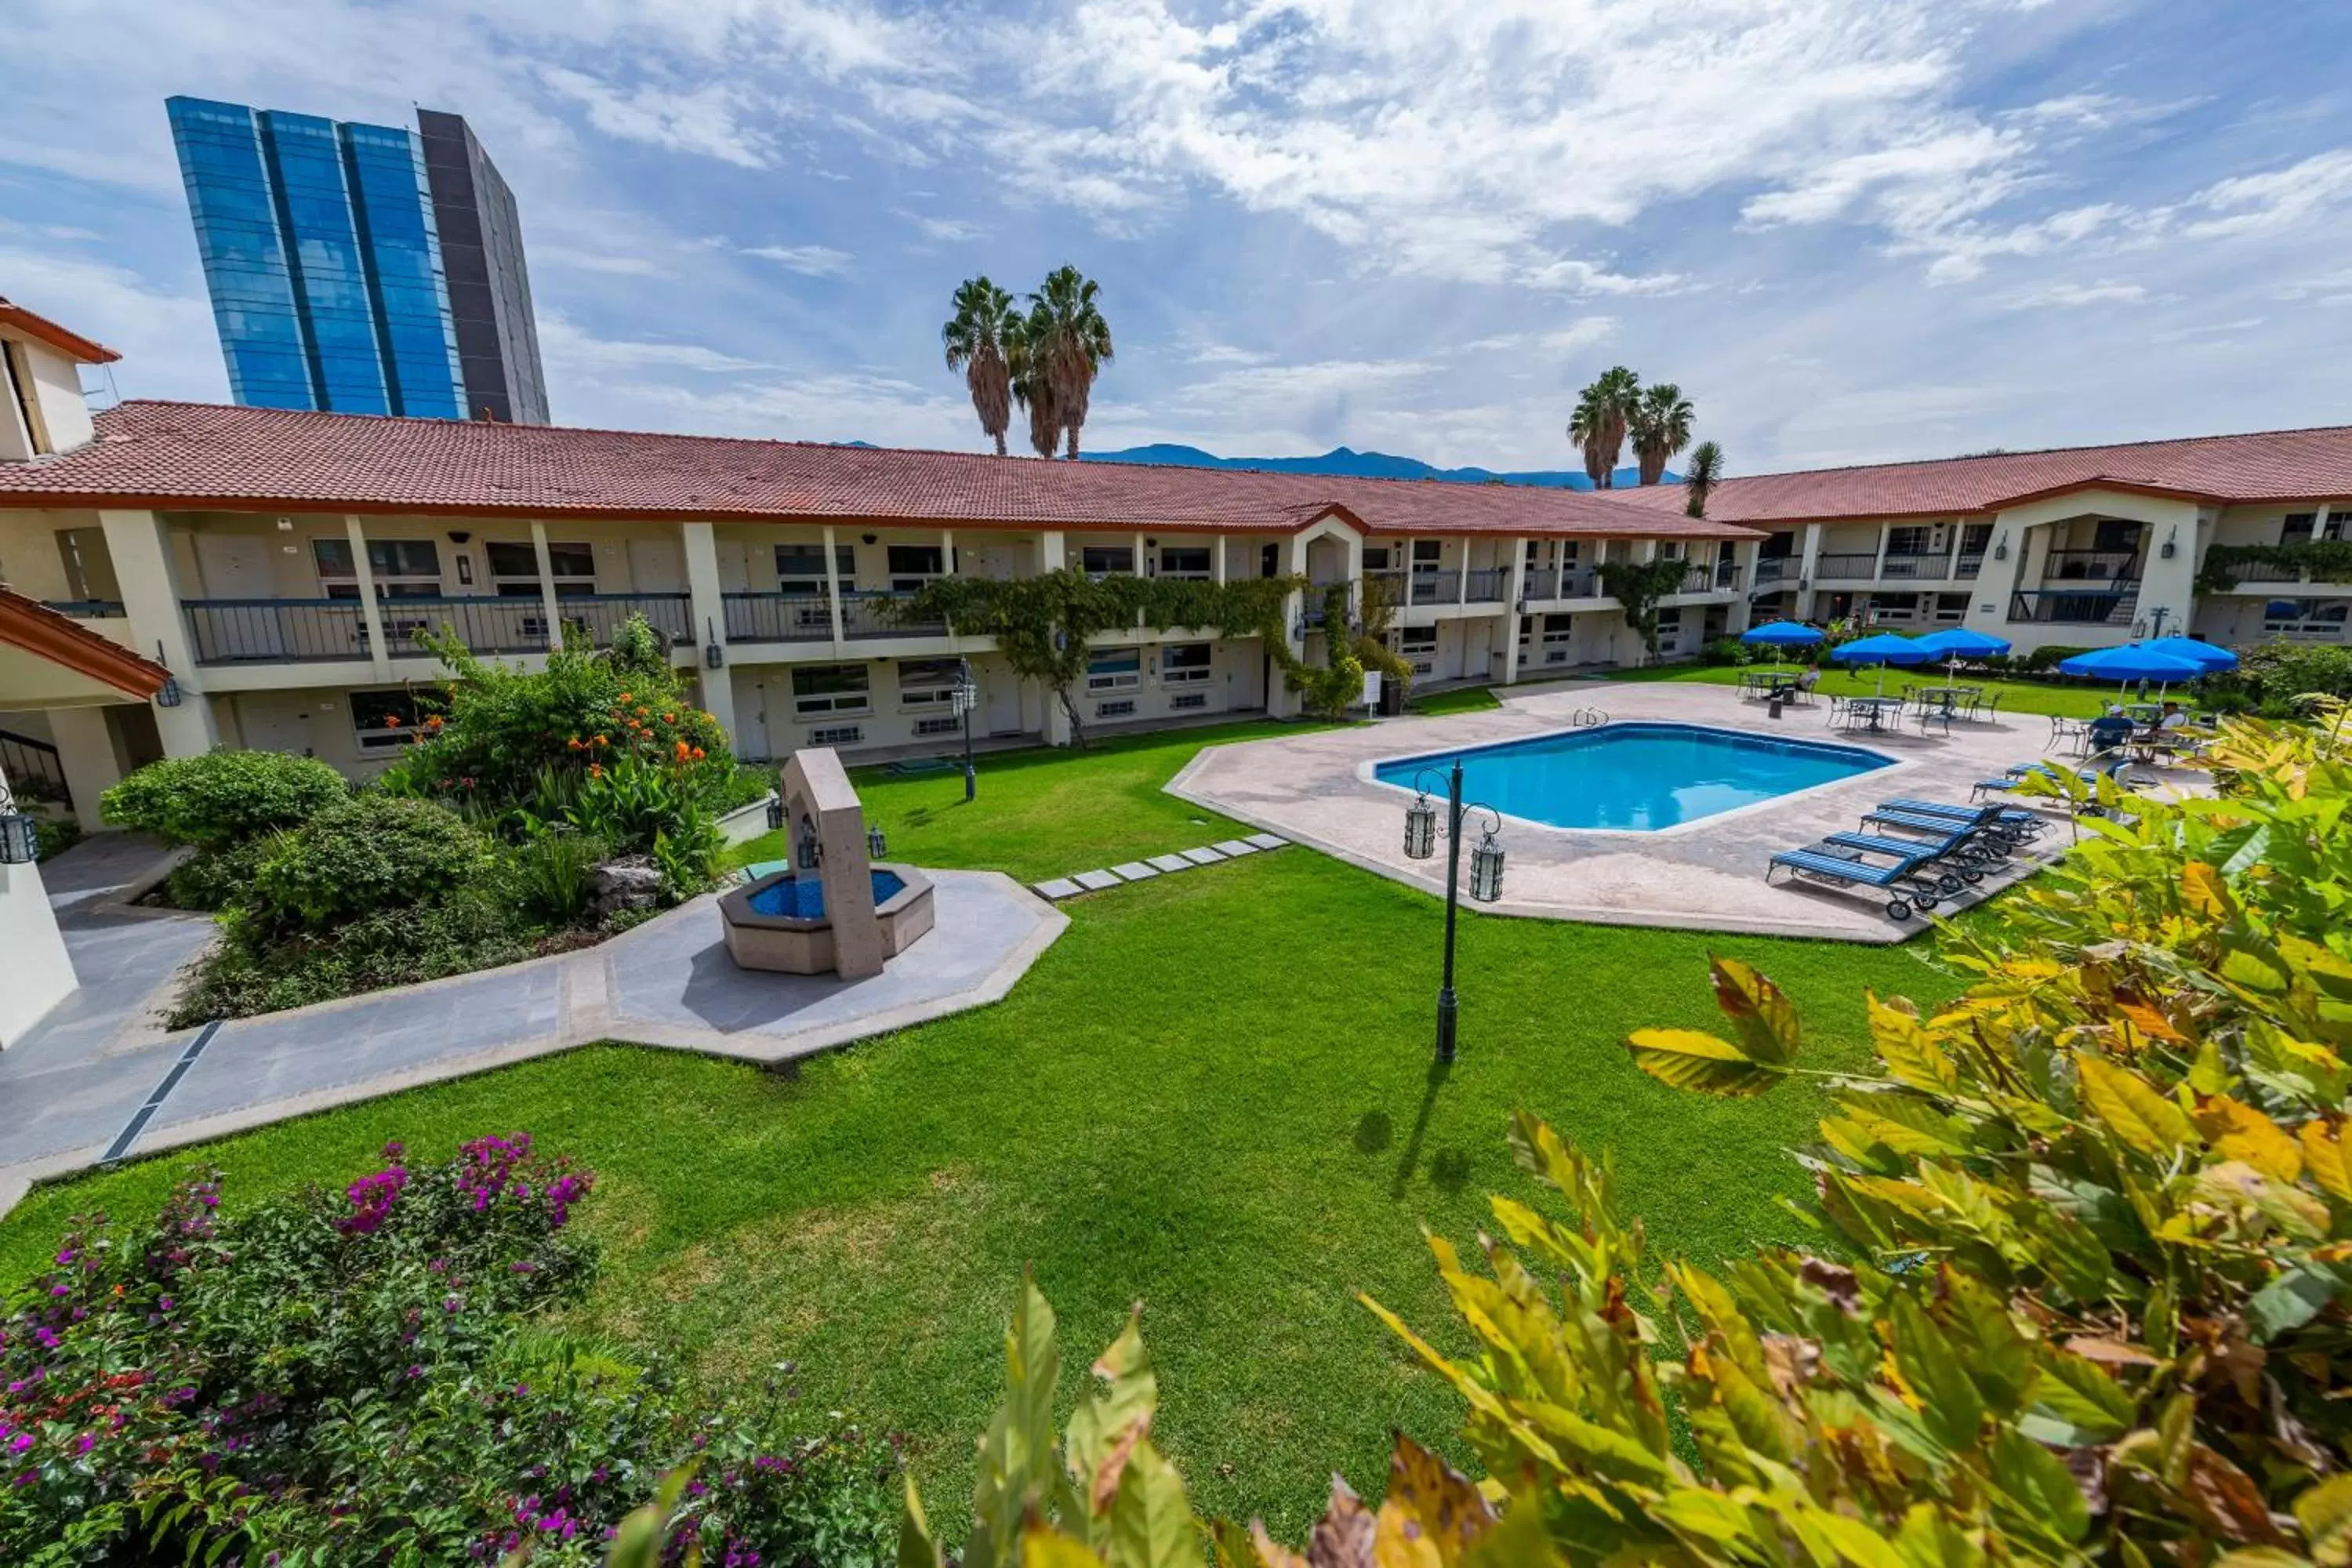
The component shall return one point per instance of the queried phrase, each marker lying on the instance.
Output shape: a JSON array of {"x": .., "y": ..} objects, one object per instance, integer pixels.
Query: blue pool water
[
  {"x": 803, "y": 898},
  {"x": 1637, "y": 777}
]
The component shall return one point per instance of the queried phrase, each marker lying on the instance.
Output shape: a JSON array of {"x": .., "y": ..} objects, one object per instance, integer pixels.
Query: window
[
  {"x": 1669, "y": 621},
  {"x": 928, "y": 682},
  {"x": 1427, "y": 553},
  {"x": 1114, "y": 669},
  {"x": 822, "y": 689},
  {"x": 925, "y": 729},
  {"x": 836, "y": 735},
  {"x": 383, "y": 719},
  {"x": 912, "y": 565},
  {"x": 1269, "y": 561},
  {"x": 2116, "y": 534},
  {"x": 1910, "y": 540},
  {"x": 1951, "y": 609},
  {"x": 1185, "y": 560},
  {"x": 800, "y": 568},
  {"x": 403, "y": 568},
  {"x": 1418, "y": 640},
  {"x": 1102, "y": 560},
  {"x": 1560, "y": 628},
  {"x": 1184, "y": 701},
  {"x": 1376, "y": 557},
  {"x": 2296, "y": 527},
  {"x": 1183, "y": 664},
  {"x": 1976, "y": 538},
  {"x": 1122, "y": 709},
  {"x": 514, "y": 568}
]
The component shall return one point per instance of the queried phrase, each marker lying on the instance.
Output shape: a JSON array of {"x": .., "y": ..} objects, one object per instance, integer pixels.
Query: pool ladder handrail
[{"x": 1588, "y": 719}]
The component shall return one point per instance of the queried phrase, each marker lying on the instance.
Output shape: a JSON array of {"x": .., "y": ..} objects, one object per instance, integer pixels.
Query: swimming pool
[{"x": 1633, "y": 777}]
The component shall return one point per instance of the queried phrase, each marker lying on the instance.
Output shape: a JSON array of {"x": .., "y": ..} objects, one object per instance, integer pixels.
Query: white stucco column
[
  {"x": 547, "y": 586},
  {"x": 701, "y": 546},
  {"x": 87, "y": 757},
  {"x": 150, "y": 582},
  {"x": 371, "y": 612},
  {"x": 1462, "y": 577},
  {"x": 1218, "y": 556},
  {"x": 1511, "y": 597},
  {"x": 833, "y": 588},
  {"x": 40, "y": 972},
  {"x": 1809, "y": 555}
]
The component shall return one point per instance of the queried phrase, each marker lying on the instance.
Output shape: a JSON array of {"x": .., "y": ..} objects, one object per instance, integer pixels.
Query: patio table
[{"x": 1873, "y": 710}]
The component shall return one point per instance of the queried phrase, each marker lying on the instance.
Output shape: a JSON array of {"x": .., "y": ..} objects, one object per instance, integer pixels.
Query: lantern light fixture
[
  {"x": 810, "y": 852},
  {"x": 877, "y": 845},
  {"x": 1486, "y": 869},
  {"x": 20, "y": 845},
  {"x": 168, "y": 694},
  {"x": 1419, "y": 828},
  {"x": 714, "y": 652},
  {"x": 775, "y": 814},
  {"x": 2172, "y": 545}
]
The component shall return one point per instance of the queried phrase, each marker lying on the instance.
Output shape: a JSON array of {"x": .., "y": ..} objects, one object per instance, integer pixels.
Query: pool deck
[{"x": 1317, "y": 790}]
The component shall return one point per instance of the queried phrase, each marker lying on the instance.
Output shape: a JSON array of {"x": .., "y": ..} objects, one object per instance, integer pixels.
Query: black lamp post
[
  {"x": 20, "y": 842},
  {"x": 1485, "y": 875},
  {"x": 967, "y": 697}
]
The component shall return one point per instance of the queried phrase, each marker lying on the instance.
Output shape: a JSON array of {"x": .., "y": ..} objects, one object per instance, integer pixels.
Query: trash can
[{"x": 1391, "y": 698}]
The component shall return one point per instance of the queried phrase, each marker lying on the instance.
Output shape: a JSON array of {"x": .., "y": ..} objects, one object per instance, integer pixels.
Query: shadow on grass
[{"x": 1435, "y": 1079}]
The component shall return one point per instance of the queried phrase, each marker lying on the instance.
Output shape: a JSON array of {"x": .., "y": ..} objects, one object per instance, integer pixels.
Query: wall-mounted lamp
[
  {"x": 285, "y": 525},
  {"x": 19, "y": 844},
  {"x": 776, "y": 815},
  {"x": 2000, "y": 548},
  {"x": 460, "y": 535},
  {"x": 168, "y": 695},
  {"x": 876, "y": 846},
  {"x": 810, "y": 851},
  {"x": 714, "y": 652},
  {"x": 2172, "y": 545},
  {"x": 867, "y": 537}
]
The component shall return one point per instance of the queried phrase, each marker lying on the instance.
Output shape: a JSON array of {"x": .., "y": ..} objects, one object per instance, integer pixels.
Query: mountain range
[{"x": 1364, "y": 465}]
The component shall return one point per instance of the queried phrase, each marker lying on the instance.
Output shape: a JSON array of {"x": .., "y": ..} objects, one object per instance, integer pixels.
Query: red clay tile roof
[
  {"x": 60, "y": 639},
  {"x": 80, "y": 348},
  {"x": 2269, "y": 466},
  {"x": 170, "y": 454}
]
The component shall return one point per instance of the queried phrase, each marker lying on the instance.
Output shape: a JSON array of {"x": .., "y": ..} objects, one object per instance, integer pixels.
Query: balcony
[
  {"x": 1389, "y": 580},
  {"x": 1846, "y": 567},
  {"x": 1721, "y": 577},
  {"x": 2075, "y": 607},
  {"x": 877, "y": 615},
  {"x": 1773, "y": 570},
  {"x": 777, "y": 617},
  {"x": 1486, "y": 584},
  {"x": 1548, "y": 583},
  {"x": 298, "y": 631},
  {"x": 2267, "y": 572},
  {"x": 2117, "y": 566},
  {"x": 1433, "y": 587},
  {"x": 87, "y": 609},
  {"x": 1969, "y": 563},
  {"x": 1915, "y": 564}
]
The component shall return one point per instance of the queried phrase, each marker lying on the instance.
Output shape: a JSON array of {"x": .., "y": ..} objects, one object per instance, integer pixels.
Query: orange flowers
[
  {"x": 595, "y": 770},
  {"x": 698, "y": 753},
  {"x": 392, "y": 720},
  {"x": 669, "y": 718},
  {"x": 625, "y": 697},
  {"x": 432, "y": 720},
  {"x": 602, "y": 741},
  {"x": 574, "y": 744},
  {"x": 684, "y": 751}
]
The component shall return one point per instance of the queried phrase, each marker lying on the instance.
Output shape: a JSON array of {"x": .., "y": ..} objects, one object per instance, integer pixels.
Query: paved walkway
[
  {"x": 71, "y": 1086},
  {"x": 1071, "y": 886},
  {"x": 1317, "y": 789}
]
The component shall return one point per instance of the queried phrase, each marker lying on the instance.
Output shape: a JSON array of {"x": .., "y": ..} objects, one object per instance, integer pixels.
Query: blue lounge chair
[
  {"x": 2017, "y": 775},
  {"x": 1952, "y": 840},
  {"x": 2003, "y": 821},
  {"x": 1931, "y": 864},
  {"x": 1840, "y": 867}
]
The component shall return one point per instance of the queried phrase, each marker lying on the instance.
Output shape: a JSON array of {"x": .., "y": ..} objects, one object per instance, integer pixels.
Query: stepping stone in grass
[
  {"x": 1134, "y": 872},
  {"x": 1096, "y": 882},
  {"x": 1204, "y": 856},
  {"x": 1266, "y": 840},
  {"x": 1171, "y": 863},
  {"x": 1236, "y": 846},
  {"x": 1059, "y": 888}
]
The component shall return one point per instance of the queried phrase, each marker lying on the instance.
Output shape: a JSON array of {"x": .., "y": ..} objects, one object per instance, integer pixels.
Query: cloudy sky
[{"x": 1851, "y": 229}]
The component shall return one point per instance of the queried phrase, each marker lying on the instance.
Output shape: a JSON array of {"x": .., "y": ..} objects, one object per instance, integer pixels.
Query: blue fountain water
[{"x": 801, "y": 898}]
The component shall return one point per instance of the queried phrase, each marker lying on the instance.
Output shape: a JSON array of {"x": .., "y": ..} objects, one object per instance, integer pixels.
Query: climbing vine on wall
[
  {"x": 2326, "y": 560},
  {"x": 1637, "y": 587}
]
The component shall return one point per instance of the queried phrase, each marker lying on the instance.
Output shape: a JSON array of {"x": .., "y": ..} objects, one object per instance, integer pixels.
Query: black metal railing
[
  {"x": 1968, "y": 564},
  {"x": 1770, "y": 569},
  {"x": 1846, "y": 567},
  {"x": 777, "y": 617},
  {"x": 2266, "y": 571},
  {"x": 33, "y": 769},
  {"x": 1390, "y": 578},
  {"x": 2074, "y": 607},
  {"x": 1436, "y": 587},
  {"x": 1915, "y": 563},
  {"x": 1562, "y": 582},
  {"x": 275, "y": 631},
  {"x": 291, "y": 631},
  {"x": 87, "y": 609},
  {"x": 1486, "y": 584},
  {"x": 599, "y": 615},
  {"x": 2090, "y": 565},
  {"x": 876, "y": 614}
]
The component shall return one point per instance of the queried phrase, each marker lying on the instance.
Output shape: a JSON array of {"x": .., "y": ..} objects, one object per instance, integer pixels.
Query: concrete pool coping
[
  {"x": 1368, "y": 772},
  {"x": 1312, "y": 789}
]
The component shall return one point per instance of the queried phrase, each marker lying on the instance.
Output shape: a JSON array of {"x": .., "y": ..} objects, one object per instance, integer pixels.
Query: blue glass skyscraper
[{"x": 321, "y": 249}]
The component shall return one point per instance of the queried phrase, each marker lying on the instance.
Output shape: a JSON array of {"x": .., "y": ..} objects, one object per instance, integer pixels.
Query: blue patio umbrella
[
  {"x": 1956, "y": 643},
  {"x": 1778, "y": 635},
  {"x": 2213, "y": 658},
  {"x": 1882, "y": 651},
  {"x": 2132, "y": 661}
]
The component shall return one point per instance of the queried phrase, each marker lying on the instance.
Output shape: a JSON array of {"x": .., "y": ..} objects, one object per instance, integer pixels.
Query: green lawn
[
  {"x": 1043, "y": 813},
  {"x": 1213, "y": 1096},
  {"x": 1459, "y": 700},
  {"x": 2017, "y": 696}
]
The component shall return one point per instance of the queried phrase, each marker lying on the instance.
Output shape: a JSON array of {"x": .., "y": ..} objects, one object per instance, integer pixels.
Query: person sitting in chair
[
  {"x": 1787, "y": 690},
  {"x": 2110, "y": 730}
]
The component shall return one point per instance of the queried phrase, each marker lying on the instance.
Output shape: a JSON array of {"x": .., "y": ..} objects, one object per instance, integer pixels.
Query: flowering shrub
[
  {"x": 222, "y": 797},
  {"x": 349, "y": 1375}
]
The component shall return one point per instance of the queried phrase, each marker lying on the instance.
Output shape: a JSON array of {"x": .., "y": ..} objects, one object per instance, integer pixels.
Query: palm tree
[
  {"x": 977, "y": 339},
  {"x": 1706, "y": 468},
  {"x": 1602, "y": 412},
  {"x": 1031, "y": 388},
  {"x": 1661, "y": 427},
  {"x": 1070, "y": 342}
]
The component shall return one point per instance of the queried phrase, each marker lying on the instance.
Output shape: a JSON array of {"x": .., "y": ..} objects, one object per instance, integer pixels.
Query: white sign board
[{"x": 1371, "y": 689}]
